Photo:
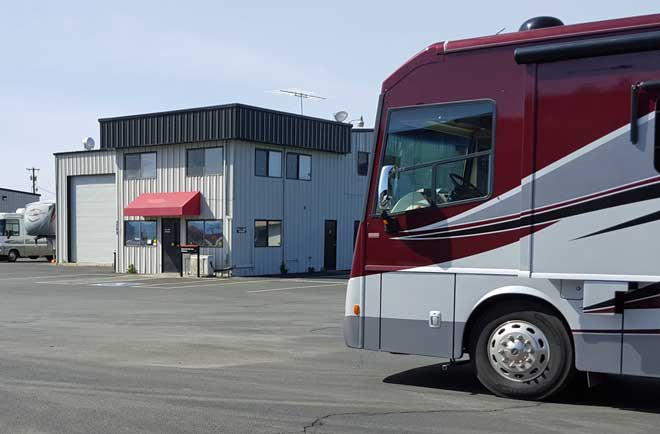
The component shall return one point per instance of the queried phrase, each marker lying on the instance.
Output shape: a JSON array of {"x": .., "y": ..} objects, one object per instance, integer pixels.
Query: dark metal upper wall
[{"x": 234, "y": 121}]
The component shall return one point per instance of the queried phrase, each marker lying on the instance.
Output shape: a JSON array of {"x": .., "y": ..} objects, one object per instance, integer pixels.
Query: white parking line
[
  {"x": 50, "y": 277},
  {"x": 177, "y": 286},
  {"x": 90, "y": 281},
  {"x": 294, "y": 287}
]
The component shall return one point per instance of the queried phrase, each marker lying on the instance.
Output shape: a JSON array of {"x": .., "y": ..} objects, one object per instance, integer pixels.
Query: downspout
[{"x": 282, "y": 239}]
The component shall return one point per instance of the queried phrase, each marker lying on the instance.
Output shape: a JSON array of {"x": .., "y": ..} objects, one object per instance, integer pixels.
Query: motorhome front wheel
[{"x": 522, "y": 352}]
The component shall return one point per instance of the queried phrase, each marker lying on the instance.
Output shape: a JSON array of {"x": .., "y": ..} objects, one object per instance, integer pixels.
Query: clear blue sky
[{"x": 67, "y": 63}]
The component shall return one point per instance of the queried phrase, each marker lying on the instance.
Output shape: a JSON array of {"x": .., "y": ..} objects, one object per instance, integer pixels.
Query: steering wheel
[{"x": 463, "y": 189}]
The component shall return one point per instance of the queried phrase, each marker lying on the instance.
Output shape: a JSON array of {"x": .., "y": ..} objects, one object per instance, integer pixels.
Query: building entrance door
[
  {"x": 170, "y": 242},
  {"x": 330, "y": 256}
]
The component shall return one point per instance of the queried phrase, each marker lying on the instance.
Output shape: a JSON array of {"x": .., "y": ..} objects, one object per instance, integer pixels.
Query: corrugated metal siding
[
  {"x": 235, "y": 121},
  {"x": 238, "y": 197},
  {"x": 336, "y": 192},
  {"x": 75, "y": 164},
  {"x": 170, "y": 177},
  {"x": 15, "y": 200}
]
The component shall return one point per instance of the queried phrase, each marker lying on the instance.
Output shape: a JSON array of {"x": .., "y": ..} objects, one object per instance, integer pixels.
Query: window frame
[
  {"x": 142, "y": 243},
  {"x": 268, "y": 222},
  {"x": 204, "y": 166},
  {"x": 366, "y": 173},
  {"x": 222, "y": 240},
  {"x": 268, "y": 151},
  {"x": 140, "y": 154},
  {"x": 298, "y": 155},
  {"x": 656, "y": 139},
  {"x": 491, "y": 163}
]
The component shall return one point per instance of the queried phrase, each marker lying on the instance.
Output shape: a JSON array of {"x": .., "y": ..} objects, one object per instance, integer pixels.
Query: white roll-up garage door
[{"x": 92, "y": 219}]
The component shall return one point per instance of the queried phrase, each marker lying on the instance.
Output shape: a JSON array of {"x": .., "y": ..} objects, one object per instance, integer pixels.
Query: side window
[
  {"x": 298, "y": 166},
  {"x": 363, "y": 163},
  {"x": 140, "y": 166},
  {"x": 356, "y": 227},
  {"x": 442, "y": 154},
  {"x": 267, "y": 233},
  {"x": 268, "y": 163},
  {"x": 204, "y": 161},
  {"x": 139, "y": 233}
]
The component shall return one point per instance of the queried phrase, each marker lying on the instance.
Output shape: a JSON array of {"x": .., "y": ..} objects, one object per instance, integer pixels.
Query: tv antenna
[{"x": 298, "y": 93}]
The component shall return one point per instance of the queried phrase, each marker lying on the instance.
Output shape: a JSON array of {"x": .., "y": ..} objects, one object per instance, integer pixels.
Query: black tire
[
  {"x": 12, "y": 256},
  {"x": 549, "y": 379},
  {"x": 49, "y": 258}
]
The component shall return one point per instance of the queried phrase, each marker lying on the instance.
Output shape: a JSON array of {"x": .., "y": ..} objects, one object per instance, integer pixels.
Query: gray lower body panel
[
  {"x": 598, "y": 352},
  {"x": 641, "y": 354}
]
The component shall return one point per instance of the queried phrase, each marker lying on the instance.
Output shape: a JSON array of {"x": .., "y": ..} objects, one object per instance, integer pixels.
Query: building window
[
  {"x": 204, "y": 161},
  {"x": 10, "y": 228},
  {"x": 140, "y": 166},
  {"x": 268, "y": 163},
  {"x": 204, "y": 233},
  {"x": 4, "y": 198},
  {"x": 442, "y": 154},
  {"x": 298, "y": 166},
  {"x": 267, "y": 233},
  {"x": 140, "y": 233},
  {"x": 363, "y": 163}
]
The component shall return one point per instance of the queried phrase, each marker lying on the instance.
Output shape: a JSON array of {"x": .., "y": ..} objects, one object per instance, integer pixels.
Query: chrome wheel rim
[{"x": 519, "y": 351}]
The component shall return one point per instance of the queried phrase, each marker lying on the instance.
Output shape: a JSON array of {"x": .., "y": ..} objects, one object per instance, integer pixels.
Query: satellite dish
[
  {"x": 341, "y": 116},
  {"x": 88, "y": 143}
]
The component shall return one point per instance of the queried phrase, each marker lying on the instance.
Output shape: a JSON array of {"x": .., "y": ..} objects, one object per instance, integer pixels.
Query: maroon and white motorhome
[{"x": 513, "y": 212}]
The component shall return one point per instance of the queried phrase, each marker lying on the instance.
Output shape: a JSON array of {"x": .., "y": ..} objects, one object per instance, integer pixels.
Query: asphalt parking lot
[{"x": 83, "y": 350}]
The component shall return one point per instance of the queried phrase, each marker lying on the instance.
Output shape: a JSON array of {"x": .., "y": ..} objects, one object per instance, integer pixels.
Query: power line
[{"x": 33, "y": 178}]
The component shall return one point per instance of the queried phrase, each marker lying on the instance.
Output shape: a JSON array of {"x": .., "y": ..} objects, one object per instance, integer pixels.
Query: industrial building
[
  {"x": 260, "y": 191},
  {"x": 11, "y": 200}
]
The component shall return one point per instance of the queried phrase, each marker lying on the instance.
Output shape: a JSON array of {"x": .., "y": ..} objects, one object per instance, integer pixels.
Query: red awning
[{"x": 164, "y": 204}]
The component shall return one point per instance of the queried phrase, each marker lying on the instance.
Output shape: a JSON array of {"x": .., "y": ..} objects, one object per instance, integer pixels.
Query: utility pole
[{"x": 33, "y": 178}]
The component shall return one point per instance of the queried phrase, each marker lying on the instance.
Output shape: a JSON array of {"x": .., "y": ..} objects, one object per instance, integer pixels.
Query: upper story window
[
  {"x": 298, "y": 166},
  {"x": 140, "y": 166},
  {"x": 204, "y": 161},
  {"x": 363, "y": 163},
  {"x": 268, "y": 163},
  {"x": 10, "y": 228},
  {"x": 442, "y": 154}
]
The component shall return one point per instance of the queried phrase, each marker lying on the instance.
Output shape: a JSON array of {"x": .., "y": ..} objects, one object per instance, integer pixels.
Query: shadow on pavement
[{"x": 621, "y": 392}]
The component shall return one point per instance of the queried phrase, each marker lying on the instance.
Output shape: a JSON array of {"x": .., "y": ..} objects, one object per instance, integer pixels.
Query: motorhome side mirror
[{"x": 384, "y": 196}]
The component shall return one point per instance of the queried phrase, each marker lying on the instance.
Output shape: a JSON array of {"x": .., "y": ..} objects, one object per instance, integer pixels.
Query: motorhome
[
  {"x": 28, "y": 233},
  {"x": 513, "y": 213}
]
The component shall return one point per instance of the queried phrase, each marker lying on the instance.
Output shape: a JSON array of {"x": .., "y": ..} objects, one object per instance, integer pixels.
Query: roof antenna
[
  {"x": 501, "y": 30},
  {"x": 298, "y": 93}
]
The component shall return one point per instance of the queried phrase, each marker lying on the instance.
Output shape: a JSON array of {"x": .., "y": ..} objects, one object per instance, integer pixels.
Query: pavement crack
[{"x": 319, "y": 421}]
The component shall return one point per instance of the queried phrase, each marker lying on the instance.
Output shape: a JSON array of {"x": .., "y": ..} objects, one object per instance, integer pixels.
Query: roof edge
[
  {"x": 20, "y": 191},
  {"x": 216, "y": 107}
]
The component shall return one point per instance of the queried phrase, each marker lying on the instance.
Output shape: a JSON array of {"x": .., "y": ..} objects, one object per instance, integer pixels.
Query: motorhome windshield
[
  {"x": 9, "y": 227},
  {"x": 441, "y": 153}
]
